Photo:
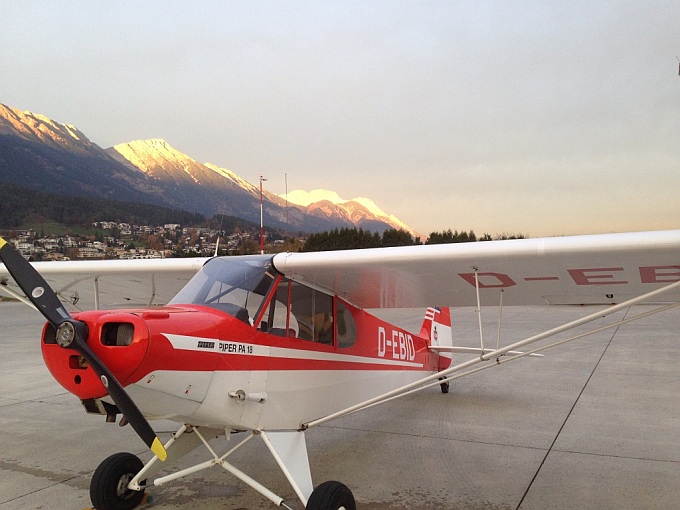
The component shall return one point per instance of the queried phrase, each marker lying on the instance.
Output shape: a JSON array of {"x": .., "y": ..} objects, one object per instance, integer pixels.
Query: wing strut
[
  {"x": 479, "y": 310},
  {"x": 96, "y": 293},
  {"x": 15, "y": 295},
  {"x": 479, "y": 317},
  {"x": 500, "y": 320},
  {"x": 435, "y": 378}
]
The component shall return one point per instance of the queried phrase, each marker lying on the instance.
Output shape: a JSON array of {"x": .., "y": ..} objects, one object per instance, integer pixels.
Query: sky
[{"x": 542, "y": 118}]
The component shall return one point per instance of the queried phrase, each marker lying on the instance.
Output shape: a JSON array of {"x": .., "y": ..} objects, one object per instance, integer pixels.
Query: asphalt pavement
[{"x": 593, "y": 424}]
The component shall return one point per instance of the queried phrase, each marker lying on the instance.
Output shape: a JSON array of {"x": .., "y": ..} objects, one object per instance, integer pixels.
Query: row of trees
[
  {"x": 353, "y": 238},
  {"x": 447, "y": 236}
]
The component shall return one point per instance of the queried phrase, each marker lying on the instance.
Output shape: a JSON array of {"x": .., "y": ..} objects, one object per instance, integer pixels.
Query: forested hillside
[{"x": 19, "y": 206}]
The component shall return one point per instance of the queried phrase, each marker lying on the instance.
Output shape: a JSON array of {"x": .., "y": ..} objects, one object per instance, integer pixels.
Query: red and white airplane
[{"x": 271, "y": 345}]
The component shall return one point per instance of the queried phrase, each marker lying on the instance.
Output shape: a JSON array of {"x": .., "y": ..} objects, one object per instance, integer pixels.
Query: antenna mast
[{"x": 261, "y": 218}]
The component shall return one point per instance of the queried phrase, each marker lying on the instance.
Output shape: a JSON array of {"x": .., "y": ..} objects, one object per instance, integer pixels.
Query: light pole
[{"x": 261, "y": 219}]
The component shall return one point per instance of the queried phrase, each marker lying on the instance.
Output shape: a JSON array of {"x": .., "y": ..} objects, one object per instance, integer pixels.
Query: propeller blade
[
  {"x": 72, "y": 334},
  {"x": 33, "y": 285},
  {"x": 123, "y": 401}
]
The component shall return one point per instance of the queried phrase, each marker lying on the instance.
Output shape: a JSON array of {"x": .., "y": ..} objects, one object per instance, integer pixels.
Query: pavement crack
[{"x": 551, "y": 448}]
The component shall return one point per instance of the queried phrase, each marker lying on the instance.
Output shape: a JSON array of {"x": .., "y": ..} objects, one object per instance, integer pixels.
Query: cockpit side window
[
  {"x": 346, "y": 326},
  {"x": 298, "y": 311},
  {"x": 313, "y": 311},
  {"x": 278, "y": 321}
]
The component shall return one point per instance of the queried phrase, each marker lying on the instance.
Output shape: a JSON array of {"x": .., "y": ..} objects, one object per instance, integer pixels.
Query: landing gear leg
[
  {"x": 331, "y": 495},
  {"x": 109, "y": 485},
  {"x": 119, "y": 481}
]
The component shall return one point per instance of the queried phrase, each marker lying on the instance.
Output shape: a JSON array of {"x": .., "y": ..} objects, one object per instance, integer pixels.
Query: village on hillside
[{"x": 112, "y": 240}]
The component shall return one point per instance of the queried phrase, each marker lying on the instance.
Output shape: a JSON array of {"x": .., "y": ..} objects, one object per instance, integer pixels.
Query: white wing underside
[
  {"x": 596, "y": 269},
  {"x": 111, "y": 283}
]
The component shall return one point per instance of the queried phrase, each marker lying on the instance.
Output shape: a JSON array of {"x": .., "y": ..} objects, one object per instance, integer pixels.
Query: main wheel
[
  {"x": 108, "y": 488},
  {"x": 331, "y": 496},
  {"x": 444, "y": 385}
]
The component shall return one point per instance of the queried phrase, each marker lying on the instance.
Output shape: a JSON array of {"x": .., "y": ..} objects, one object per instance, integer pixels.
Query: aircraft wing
[
  {"x": 88, "y": 284},
  {"x": 593, "y": 269}
]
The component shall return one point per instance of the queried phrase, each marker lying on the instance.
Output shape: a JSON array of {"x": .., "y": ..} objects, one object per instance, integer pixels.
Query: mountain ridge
[
  {"x": 350, "y": 207},
  {"x": 44, "y": 154}
]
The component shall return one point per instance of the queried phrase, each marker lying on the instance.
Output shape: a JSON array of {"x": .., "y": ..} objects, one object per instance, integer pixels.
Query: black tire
[
  {"x": 445, "y": 385},
  {"x": 108, "y": 487},
  {"x": 331, "y": 496}
]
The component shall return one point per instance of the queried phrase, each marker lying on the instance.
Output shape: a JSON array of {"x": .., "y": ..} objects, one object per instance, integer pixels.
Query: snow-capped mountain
[
  {"x": 357, "y": 210},
  {"x": 231, "y": 176},
  {"x": 206, "y": 188},
  {"x": 38, "y": 128},
  {"x": 160, "y": 161},
  {"x": 242, "y": 183},
  {"x": 43, "y": 154}
]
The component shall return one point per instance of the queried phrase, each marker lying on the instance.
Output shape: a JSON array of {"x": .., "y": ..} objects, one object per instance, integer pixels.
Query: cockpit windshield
[{"x": 235, "y": 285}]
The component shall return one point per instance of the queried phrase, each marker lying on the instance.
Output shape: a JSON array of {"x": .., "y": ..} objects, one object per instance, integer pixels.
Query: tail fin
[{"x": 437, "y": 329}]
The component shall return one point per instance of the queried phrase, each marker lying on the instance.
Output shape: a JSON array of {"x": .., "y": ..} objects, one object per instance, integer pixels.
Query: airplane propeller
[{"x": 72, "y": 334}]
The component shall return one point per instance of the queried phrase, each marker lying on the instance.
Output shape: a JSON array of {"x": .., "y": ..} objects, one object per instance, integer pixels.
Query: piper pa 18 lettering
[{"x": 265, "y": 347}]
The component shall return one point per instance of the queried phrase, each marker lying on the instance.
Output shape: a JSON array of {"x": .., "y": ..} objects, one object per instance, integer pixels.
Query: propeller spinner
[{"x": 72, "y": 334}]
